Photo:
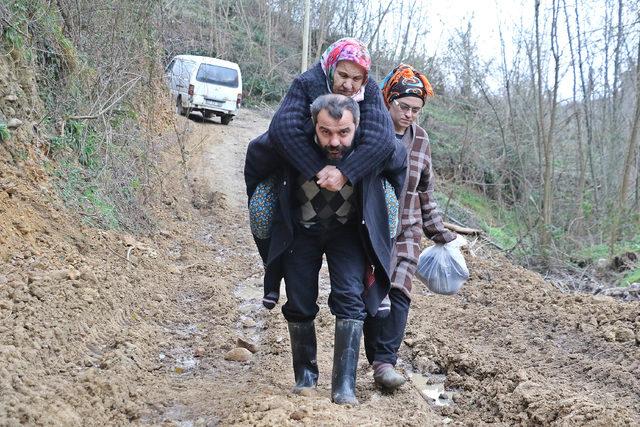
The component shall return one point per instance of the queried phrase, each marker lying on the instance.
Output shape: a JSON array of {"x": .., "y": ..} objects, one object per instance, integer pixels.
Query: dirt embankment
[{"x": 107, "y": 328}]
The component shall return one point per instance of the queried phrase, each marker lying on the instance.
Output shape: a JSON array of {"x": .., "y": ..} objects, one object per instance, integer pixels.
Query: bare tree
[{"x": 628, "y": 160}]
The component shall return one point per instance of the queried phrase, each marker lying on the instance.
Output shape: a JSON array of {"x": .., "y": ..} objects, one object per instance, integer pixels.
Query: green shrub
[
  {"x": 632, "y": 277},
  {"x": 4, "y": 133},
  {"x": 105, "y": 210},
  {"x": 595, "y": 252}
]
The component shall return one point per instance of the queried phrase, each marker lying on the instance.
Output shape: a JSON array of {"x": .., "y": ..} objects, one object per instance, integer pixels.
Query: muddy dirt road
[{"x": 104, "y": 328}]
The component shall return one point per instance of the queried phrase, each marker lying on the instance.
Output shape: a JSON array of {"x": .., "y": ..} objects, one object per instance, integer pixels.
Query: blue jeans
[{"x": 301, "y": 265}]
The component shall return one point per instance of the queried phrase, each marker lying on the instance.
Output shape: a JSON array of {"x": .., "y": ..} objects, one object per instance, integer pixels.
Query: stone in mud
[
  {"x": 14, "y": 123},
  {"x": 129, "y": 241},
  {"x": 89, "y": 295},
  {"x": 199, "y": 352},
  {"x": 73, "y": 274},
  {"x": 426, "y": 364},
  {"x": 308, "y": 392},
  {"x": 522, "y": 375},
  {"x": 454, "y": 379},
  {"x": 238, "y": 354},
  {"x": 36, "y": 290},
  {"x": 11, "y": 98},
  {"x": 624, "y": 334},
  {"x": 298, "y": 415},
  {"x": 240, "y": 342},
  {"x": 248, "y": 323},
  {"x": 88, "y": 275},
  {"x": 58, "y": 274},
  {"x": 609, "y": 334}
]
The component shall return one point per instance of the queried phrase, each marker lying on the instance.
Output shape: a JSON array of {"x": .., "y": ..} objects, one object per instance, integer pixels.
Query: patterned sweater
[{"x": 319, "y": 208}]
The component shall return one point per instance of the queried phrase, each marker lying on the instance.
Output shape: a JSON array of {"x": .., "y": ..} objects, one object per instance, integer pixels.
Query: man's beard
[{"x": 334, "y": 155}]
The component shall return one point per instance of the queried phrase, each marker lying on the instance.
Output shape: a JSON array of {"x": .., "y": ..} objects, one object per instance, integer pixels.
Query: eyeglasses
[{"x": 405, "y": 108}]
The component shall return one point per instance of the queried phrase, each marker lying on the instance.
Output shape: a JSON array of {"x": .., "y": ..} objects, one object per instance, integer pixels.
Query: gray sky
[{"x": 445, "y": 16}]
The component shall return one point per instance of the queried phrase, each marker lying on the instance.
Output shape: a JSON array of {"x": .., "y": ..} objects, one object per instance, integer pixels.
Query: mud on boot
[
  {"x": 303, "y": 352},
  {"x": 345, "y": 361}
]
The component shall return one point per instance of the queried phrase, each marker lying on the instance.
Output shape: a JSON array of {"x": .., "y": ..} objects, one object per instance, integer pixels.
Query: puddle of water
[
  {"x": 185, "y": 330},
  {"x": 179, "y": 415},
  {"x": 179, "y": 360},
  {"x": 432, "y": 387},
  {"x": 251, "y": 321},
  {"x": 187, "y": 362},
  {"x": 250, "y": 291}
]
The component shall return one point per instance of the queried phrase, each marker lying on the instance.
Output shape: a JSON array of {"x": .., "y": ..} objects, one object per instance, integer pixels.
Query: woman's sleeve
[
  {"x": 432, "y": 223},
  {"x": 377, "y": 136},
  {"x": 291, "y": 131}
]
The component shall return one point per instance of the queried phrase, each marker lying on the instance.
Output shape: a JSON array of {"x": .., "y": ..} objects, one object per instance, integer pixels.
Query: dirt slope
[{"x": 104, "y": 328}]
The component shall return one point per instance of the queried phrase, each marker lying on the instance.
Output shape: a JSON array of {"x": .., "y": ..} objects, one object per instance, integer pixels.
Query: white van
[{"x": 209, "y": 85}]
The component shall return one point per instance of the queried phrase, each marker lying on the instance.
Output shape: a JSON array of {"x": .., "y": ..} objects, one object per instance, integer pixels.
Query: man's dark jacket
[
  {"x": 291, "y": 128},
  {"x": 263, "y": 161}
]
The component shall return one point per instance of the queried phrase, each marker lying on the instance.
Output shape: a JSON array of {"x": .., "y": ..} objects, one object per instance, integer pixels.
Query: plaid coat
[{"x": 418, "y": 210}]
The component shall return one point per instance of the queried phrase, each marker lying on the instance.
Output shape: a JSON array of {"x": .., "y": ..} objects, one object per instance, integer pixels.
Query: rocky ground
[{"x": 106, "y": 328}]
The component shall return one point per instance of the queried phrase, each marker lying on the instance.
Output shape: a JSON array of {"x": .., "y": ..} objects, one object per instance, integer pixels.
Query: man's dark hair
[{"x": 335, "y": 104}]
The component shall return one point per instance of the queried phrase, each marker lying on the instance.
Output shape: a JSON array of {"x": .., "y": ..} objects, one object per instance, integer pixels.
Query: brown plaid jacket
[{"x": 418, "y": 210}]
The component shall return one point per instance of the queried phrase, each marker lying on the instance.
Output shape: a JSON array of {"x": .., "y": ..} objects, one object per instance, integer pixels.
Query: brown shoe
[{"x": 389, "y": 379}]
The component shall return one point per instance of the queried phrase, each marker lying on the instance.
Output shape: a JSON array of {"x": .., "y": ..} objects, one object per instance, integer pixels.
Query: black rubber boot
[
  {"x": 303, "y": 351},
  {"x": 345, "y": 361}
]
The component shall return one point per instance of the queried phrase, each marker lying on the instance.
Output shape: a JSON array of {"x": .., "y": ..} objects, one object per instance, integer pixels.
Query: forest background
[{"x": 536, "y": 142}]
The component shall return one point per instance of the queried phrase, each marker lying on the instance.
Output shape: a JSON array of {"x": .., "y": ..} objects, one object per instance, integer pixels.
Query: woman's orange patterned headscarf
[{"x": 403, "y": 81}]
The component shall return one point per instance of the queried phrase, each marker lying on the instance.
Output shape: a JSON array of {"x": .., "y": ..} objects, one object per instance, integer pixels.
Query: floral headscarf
[
  {"x": 403, "y": 81},
  {"x": 346, "y": 49}
]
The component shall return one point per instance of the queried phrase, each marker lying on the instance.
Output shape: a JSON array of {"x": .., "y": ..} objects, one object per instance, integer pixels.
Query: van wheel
[
  {"x": 226, "y": 119},
  {"x": 179, "y": 108}
]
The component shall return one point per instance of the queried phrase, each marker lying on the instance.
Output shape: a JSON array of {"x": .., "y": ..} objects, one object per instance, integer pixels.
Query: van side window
[{"x": 223, "y": 76}]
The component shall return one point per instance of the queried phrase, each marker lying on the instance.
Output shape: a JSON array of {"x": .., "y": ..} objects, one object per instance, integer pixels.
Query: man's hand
[
  {"x": 330, "y": 178},
  {"x": 324, "y": 172}
]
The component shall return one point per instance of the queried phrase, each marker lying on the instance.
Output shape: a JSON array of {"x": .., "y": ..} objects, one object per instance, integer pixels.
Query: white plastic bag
[{"x": 442, "y": 267}]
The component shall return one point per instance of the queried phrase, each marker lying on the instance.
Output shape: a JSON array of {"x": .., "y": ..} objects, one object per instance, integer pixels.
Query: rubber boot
[
  {"x": 303, "y": 351},
  {"x": 345, "y": 361}
]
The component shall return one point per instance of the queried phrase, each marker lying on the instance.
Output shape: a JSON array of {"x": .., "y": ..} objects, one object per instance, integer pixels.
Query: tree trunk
[
  {"x": 629, "y": 159},
  {"x": 586, "y": 102},
  {"x": 581, "y": 158}
]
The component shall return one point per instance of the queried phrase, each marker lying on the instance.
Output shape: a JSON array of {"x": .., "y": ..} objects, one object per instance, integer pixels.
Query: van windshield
[{"x": 215, "y": 74}]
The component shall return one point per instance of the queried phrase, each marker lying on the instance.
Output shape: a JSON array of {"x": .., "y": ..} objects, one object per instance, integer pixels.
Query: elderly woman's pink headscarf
[{"x": 346, "y": 49}]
